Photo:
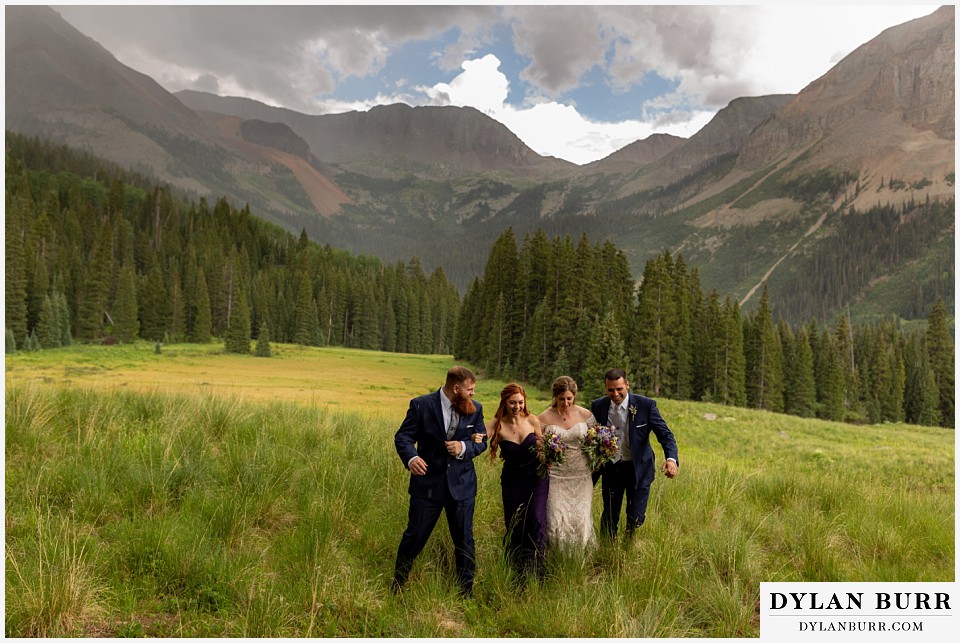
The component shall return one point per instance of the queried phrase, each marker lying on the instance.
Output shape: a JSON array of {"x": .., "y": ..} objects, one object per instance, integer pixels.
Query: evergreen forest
[
  {"x": 96, "y": 253},
  {"x": 547, "y": 307}
]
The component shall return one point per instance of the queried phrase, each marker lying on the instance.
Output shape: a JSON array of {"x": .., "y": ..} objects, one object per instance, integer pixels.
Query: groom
[
  {"x": 632, "y": 472},
  {"x": 434, "y": 443}
]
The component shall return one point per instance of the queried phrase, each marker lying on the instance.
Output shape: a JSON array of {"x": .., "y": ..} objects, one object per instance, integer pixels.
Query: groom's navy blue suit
[
  {"x": 632, "y": 478},
  {"x": 450, "y": 484}
]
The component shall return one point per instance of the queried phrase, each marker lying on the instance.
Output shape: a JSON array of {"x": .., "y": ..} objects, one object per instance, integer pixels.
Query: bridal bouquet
[
  {"x": 549, "y": 451},
  {"x": 600, "y": 445}
]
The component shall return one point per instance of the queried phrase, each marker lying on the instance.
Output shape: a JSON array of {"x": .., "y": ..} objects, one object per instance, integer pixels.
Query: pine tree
[
  {"x": 263, "y": 341},
  {"x": 891, "y": 386},
  {"x": 535, "y": 270},
  {"x": 734, "y": 371},
  {"x": 871, "y": 369},
  {"x": 48, "y": 326},
  {"x": 237, "y": 336},
  {"x": 580, "y": 346},
  {"x": 63, "y": 318},
  {"x": 605, "y": 351},
  {"x": 707, "y": 346},
  {"x": 466, "y": 345},
  {"x": 801, "y": 381},
  {"x": 940, "y": 349},
  {"x": 416, "y": 285},
  {"x": 616, "y": 280},
  {"x": 428, "y": 311},
  {"x": 414, "y": 304},
  {"x": 126, "y": 326},
  {"x": 308, "y": 321},
  {"x": 388, "y": 328},
  {"x": 176, "y": 323},
  {"x": 190, "y": 283},
  {"x": 831, "y": 386},
  {"x": 153, "y": 304},
  {"x": 562, "y": 313},
  {"x": 847, "y": 354},
  {"x": 534, "y": 359},
  {"x": 15, "y": 279},
  {"x": 561, "y": 366},
  {"x": 920, "y": 393},
  {"x": 324, "y": 318},
  {"x": 496, "y": 336},
  {"x": 589, "y": 281},
  {"x": 201, "y": 333},
  {"x": 367, "y": 320},
  {"x": 38, "y": 287},
  {"x": 656, "y": 315},
  {"x": 501, "y": 335},
  {"x": 682, "y": 377},
  {"x": 10, "y": 345},
  {"x": 764, "y": 359},
  {"x": 96, "y": 287}
]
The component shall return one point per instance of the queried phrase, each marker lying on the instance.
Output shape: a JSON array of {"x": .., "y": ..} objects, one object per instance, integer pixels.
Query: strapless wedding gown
[{"x": 570, "y": 500}]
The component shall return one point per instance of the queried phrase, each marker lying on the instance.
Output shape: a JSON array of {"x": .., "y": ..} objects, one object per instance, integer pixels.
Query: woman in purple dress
[{"x": 514, "y": 433}]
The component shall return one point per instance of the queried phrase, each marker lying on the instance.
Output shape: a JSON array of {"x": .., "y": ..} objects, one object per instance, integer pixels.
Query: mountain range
[{"x": 766, "y": 194}]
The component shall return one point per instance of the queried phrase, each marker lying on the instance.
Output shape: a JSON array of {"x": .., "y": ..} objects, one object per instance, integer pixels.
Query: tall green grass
[{"x": 159, "y": 514}]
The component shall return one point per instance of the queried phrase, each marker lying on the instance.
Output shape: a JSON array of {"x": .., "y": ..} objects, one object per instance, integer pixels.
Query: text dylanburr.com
[{"x": 858, "y": 611}]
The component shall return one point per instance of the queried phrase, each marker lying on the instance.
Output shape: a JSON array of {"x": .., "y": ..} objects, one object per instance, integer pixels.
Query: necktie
[
  {"x": 454, "y": 421},
  {"x": 624, "y": 433},
  {"x": 618, "y": 418}
]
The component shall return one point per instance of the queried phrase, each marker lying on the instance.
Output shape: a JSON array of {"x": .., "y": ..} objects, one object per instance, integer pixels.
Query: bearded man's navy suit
[
  {"x": 449, "y": 485},
  {"x": 632, "y": 478}
]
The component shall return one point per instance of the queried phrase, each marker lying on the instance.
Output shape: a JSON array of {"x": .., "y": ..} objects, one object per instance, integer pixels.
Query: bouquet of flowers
[
  {"x": 549, "y": 451},
  {"x": 600, "y": 445}
]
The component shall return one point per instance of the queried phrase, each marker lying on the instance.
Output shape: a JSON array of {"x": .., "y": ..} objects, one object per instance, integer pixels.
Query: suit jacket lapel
[
  {"x": 635, "y": 403},
  {"x": 607, "y": 405},
  {"x": 438, "y": 410}
]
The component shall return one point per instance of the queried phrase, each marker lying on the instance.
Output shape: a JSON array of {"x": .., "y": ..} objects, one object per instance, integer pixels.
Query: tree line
[
  {"x": 545, "y": 307},
  {"x": 99, "y": 257},
  {"x": 99, "y": 254}
]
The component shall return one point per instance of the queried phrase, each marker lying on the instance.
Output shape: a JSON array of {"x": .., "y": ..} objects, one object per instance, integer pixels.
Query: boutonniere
[{"x": 633, "y": 413}]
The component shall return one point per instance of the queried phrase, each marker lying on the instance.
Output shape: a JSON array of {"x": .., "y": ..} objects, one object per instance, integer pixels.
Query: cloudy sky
[{"x": 573, "y": 81}]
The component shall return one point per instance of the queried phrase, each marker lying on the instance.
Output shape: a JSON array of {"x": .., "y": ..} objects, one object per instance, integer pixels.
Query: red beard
[{"x": 464, "y": 405}]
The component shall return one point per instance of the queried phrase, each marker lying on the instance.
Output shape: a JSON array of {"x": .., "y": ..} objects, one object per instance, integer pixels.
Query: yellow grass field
[
  {"x": 194, "y": 493},
  {"x": 336, "y": 378}
]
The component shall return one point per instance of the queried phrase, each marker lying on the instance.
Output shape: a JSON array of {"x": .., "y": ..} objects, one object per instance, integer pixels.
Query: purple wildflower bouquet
[
  {"x": 550, "y": 450},
  {"x": 600, "y": 445}
]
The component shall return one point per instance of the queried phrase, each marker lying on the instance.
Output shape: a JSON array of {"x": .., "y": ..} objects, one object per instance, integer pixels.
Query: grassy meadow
[{"x": 198, "y": 494}]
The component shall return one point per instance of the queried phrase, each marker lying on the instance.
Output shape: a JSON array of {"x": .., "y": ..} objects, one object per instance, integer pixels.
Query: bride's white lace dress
[{"x": 570, "y": 500}]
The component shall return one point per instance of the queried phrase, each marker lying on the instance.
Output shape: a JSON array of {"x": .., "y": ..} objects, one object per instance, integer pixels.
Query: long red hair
[{"x": 508, "y": 391}]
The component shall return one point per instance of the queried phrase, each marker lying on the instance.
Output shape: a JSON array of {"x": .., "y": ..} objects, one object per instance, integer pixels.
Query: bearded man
[{"x": 434, "y": 443}]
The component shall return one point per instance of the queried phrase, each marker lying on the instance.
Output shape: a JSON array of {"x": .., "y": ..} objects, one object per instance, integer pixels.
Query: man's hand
[
  {"x": 669, "y": 469},
  {"x": 418, "y": 466},
  {"x": 454, "y": 447}
]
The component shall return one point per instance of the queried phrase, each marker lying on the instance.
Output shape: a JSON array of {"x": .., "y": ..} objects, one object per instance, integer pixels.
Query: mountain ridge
[{"x": 751, "y": 196}]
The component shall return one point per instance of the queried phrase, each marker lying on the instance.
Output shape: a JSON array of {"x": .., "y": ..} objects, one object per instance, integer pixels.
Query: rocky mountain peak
[{"x": 901, "y": 80}]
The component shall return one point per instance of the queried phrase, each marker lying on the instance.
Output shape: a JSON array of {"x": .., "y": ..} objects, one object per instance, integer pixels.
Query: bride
[{"x": 570, "y": 501}]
